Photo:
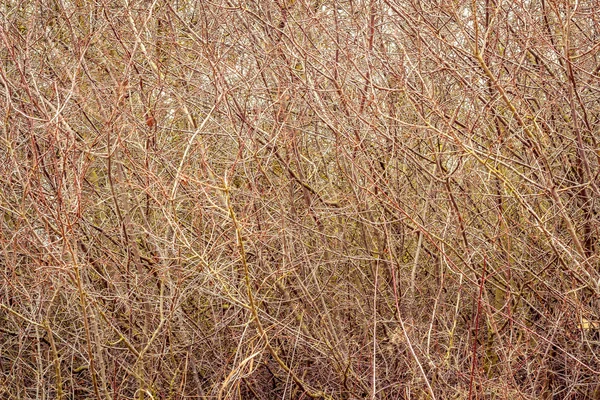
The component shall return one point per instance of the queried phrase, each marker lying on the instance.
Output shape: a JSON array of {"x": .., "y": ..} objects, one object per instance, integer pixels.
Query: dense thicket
[{"x": 280, "y": 199}]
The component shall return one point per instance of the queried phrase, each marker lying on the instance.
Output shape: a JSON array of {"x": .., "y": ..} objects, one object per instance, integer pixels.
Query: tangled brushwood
[{"x": 293, "y": 199}]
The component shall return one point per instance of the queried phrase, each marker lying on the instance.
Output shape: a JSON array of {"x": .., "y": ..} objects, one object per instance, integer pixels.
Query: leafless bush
[{"x": 293, "y": 198}]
